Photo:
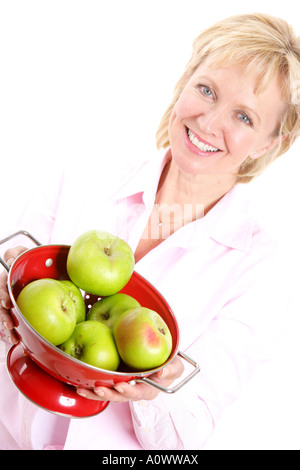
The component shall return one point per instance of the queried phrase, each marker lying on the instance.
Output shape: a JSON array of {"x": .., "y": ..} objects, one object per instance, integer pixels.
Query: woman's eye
[
  {"x": 245, "y": 119},
  {"x": 206, "y": 91}
]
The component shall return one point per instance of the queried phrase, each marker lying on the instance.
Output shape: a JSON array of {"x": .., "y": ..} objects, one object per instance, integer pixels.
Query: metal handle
[
  {"x": 180, "y": 384},
  {"x": 21, "y": 232}
]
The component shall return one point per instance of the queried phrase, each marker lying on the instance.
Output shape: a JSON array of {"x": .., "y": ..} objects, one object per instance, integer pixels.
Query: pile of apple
[{"x": 117, "y": 328}]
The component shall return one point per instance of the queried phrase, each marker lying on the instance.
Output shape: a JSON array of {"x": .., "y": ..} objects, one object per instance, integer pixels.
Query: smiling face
[{"x": 220, "y": 120}]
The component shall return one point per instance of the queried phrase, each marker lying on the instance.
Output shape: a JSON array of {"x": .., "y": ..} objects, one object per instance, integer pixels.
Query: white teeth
[{"x": 200, "y": 145}]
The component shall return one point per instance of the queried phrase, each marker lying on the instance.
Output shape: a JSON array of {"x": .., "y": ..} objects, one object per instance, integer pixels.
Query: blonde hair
[{"x": 268, "y": 46}]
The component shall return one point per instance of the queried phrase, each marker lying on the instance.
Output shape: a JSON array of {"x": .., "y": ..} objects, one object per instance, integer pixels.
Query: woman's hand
[
  {"x": 123, "y": 391},
  {"x": 6, "y": 322}
]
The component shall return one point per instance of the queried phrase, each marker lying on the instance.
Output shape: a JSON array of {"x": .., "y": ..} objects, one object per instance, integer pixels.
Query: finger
[
  {"x": 130, "y": 391},
  {"x": 9, "y": 256},
  {"x": 142, "y": 391},
  {"x": 5, "y": 319},
  {"x": 7, "y": 326},
  {"x": 102, "y": 394},
  {"x": 121, "y": 393},
  {"x": 4, "y": 295},
  {"x": 12, "y": 253},
  {"x": 10, "y": 336},
  {"x": 137, "y": 391},
  {"x": 5, "y": 304},
  {"x": 172, "y": 371}
]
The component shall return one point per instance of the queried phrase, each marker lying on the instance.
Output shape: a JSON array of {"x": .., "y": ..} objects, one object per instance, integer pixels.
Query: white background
[{"x": 85, "y": 83}]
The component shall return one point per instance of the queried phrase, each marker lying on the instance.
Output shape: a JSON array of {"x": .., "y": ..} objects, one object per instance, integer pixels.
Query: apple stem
[
  {"x": 78, "y": 351},
  {"x": 162, "y": 331},
  {"x": 107, "y": 251}
]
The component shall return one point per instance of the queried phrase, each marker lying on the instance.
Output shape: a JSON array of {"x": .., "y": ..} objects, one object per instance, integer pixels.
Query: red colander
[{"x": 47, "y": 375}]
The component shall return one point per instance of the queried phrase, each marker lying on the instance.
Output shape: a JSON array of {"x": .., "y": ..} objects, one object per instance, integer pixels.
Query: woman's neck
[
  {"x": 180, "y": 199},
  {"x": 177, "y": 187}
]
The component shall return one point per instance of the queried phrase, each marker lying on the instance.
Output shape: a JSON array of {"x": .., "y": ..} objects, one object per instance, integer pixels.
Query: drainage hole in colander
[{"x": 49, "y": 262}]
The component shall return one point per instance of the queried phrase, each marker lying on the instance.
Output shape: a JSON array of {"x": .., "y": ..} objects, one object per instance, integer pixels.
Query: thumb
[{"x": 172, "y": 371}]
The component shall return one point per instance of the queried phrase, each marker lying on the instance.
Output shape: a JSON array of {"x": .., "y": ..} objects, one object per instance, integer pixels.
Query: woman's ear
[{"x": 275, "y": 141}]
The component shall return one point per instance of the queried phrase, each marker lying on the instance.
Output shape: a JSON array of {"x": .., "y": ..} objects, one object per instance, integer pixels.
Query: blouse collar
[{"x": 230, "y": 222}]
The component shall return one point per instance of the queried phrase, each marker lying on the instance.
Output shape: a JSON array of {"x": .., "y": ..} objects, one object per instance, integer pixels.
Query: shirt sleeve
[{"x": 242, "y": 336}]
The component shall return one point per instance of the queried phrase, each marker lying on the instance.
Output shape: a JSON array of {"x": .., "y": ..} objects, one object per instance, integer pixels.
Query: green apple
[
  {"x": 100, "y": 263},
  {"x": 76, "y": 296},
  {"x": 92, "y": 342},
  {"x": 143, "y": 338},
  {"x": 108, "y": 309},
  {"x": 49, "y": 309}
]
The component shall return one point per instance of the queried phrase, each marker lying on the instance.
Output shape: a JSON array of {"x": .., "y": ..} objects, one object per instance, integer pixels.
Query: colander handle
[
  {"x": 180, "y": 384},
  {"x": 14, "y": 235}
]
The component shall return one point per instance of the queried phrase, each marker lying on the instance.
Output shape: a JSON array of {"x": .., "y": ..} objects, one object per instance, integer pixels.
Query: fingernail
[
  {"x": 11, "y": 340},
  {"x": 8, "y": 326},
  {"x": 10, "y": 261},
  {"x": 81, "y": 393},
  {"x": 119, "y": 389},
  {"x": 99, "y": 392}
]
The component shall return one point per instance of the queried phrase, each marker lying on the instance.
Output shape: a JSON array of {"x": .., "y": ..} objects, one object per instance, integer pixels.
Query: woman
[{"x": 187, "y": 217}]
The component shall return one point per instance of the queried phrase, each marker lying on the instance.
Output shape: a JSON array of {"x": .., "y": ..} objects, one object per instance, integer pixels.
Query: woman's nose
[{"x": 211, "y": 121}]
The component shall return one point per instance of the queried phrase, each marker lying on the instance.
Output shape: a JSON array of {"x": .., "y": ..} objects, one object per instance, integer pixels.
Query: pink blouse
[{"x": 225, "y": 279}]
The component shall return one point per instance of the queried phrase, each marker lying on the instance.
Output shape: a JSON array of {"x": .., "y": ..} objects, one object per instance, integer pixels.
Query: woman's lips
[{"x": 195, "y": 143}]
